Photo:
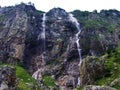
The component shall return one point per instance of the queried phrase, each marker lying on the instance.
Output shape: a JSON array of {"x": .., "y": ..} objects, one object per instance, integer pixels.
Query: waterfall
[
  {"x": 37, "y": 74},
  {"x": 74, "y": 20},
  {"x": 43, "y": 38},
  {"x": 42, "y": 34},
  {"x": 78, "y": 83}
]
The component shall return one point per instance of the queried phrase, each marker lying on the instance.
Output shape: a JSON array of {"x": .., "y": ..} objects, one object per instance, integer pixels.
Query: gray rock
[
  {"x": 115, "y": 82},
  {"x": 91, "y": 69},
  {"x": 4, "y": 86},
  {"x": 93, "y": 87},
  {"x": 8, "y": 80}
]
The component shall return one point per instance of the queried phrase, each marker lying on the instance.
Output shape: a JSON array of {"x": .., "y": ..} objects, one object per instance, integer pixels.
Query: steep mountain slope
[{"x": 49, "y": 46}]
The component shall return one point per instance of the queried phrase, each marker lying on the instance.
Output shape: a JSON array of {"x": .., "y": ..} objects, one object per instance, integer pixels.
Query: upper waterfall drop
[
  {"x": 43, "y": 37},
  {"x": 37, "y": 74},
  {"x": 43, "y": 26},
  {"x": 42, "y": 34},
  {"x": 74, "y": 20}
]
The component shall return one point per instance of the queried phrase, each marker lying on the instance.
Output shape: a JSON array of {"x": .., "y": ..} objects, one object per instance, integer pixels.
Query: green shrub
[
  {"x": 112, "y": 68},
  {"x": 79, "y": 88},
  {"x": 95, "y": 24},
  {"x": 117, "y": 87},
  {"x": 48, "y": 81}
]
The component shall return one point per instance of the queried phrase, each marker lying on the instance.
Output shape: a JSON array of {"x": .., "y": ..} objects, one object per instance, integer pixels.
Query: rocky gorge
[{"x": 57, "y": 50}]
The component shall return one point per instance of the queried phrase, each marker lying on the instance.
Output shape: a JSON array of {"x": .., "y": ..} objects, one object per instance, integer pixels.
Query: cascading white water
[
  {"x": 74, "y": 20},
  {"x": 43, "y": 26},
  {"x": 37, "y": 74},
  {"x": 42, "y": 34},
  {"x": 43, "y": 38}
]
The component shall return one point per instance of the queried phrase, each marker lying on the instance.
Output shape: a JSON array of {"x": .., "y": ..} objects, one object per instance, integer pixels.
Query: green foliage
[
  {"x": 115, "y": 55},
  {"x": 111, "y": 27},
  {"x": 106, "y": 19},
  {"x": 2, "y": 18},
  {"x": 117, "y": 87},
  {"x": 110, "y": 12},
  {"x": 25, "y": 79},
  {"x": 23, "y": 86},
  {"x": 81, "y": 15},
  {"x": 48, "y": 81},
  {"x": 97, "y": 24},
  {"x": 112, "y": 67},
  {"x": 79, "y": 88},
  {"x": 93, "y": 24}
]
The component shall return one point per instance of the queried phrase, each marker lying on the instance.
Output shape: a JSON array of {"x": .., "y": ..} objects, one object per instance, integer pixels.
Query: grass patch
[
  {"x": 48, "y": 81},
  {"x": 25, "y": 79},
  {"x": 79, "y": 88},
  {"x": 23, "y": 86}
]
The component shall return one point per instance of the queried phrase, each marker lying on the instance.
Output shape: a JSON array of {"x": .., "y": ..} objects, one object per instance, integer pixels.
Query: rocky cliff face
[
  {"x": 8, "y": 80},
  {"x": 45, "y": 43}
]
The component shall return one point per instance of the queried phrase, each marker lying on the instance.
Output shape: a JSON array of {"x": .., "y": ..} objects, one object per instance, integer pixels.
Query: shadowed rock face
[{"x": 20, "y": 42}]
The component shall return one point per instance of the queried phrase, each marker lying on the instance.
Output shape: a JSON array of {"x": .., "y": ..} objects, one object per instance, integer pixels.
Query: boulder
[
  {"x": 8, "y": 80},
  {"x": 91, "y": 69}
]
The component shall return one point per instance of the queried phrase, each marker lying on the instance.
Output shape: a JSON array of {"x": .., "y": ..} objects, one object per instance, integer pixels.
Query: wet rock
[{"x": 72, "y": 50}]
